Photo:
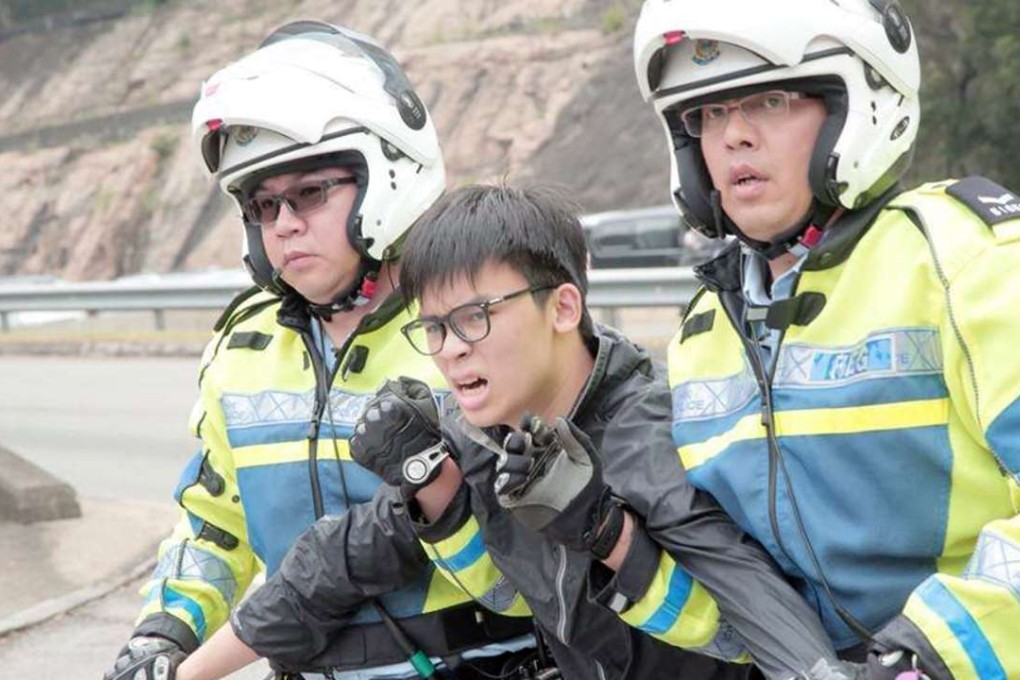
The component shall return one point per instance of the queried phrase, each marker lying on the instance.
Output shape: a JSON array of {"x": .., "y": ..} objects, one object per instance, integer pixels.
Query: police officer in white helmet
[
  {"x": 856, "y": 339},
  {"x": 330, "y": 156}
]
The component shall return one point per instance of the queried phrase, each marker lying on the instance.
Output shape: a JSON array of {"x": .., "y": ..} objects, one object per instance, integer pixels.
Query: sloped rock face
[{"x": 100, "y": 179}]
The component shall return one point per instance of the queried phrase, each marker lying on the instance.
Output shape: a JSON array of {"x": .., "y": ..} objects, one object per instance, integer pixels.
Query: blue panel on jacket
[{"x": 873, "y": 476}]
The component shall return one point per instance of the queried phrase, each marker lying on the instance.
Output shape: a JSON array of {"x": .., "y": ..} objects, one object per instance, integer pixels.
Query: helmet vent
[{"x": 900, "y": 128}]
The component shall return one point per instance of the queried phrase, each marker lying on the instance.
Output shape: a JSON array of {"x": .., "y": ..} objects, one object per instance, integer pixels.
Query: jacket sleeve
[
  {"x": 455, "y": 545},
  {"x": 330, "y": 572},
  {"x": 692, "y": 578},
  {"x": 206, "y": 565},
  {"x": 964, "y": 623}
]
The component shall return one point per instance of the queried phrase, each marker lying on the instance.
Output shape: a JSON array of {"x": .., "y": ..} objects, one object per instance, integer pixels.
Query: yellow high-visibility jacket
[
  {"x": 274, "y": 457},
  {"x": 878, "y": 460}
]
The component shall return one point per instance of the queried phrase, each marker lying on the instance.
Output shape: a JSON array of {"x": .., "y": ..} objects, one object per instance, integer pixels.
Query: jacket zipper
[
  {"x": 323, "y": 383},
  {"x": 768, "y": 422},
  {"x": 321, "y": 394},
  {"x": 561, "y": 601}
]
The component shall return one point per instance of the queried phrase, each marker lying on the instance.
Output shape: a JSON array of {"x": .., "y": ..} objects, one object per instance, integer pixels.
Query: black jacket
[{"x": 625, "y": 411}]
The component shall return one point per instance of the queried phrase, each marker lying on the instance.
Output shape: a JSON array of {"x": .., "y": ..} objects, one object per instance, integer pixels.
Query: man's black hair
[{"x": 533, "y": 230}]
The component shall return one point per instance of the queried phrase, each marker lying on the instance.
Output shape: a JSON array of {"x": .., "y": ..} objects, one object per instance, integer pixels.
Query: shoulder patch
[
  {"x": 249, "y": 340},
  {"x": 217, "y": 536},
  {"x": 991, "y": 202},
  {"x": 699, "y": 323}
]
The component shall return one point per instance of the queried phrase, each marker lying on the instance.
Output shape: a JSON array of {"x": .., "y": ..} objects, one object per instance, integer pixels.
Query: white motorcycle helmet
[
  {"x": 315, "y": 95},
  {"x": 859, "y": 56}
]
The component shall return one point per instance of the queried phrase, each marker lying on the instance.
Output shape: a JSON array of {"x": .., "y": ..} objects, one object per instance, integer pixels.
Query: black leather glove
[
  {"x": 551, "y": 480},
  {"x": 147, "y": 658},
  {"x": 398, "y": 432}
]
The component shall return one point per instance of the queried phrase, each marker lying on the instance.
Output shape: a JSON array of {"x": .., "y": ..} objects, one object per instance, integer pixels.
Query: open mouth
[
  {"x": 745, "y": 175},
  {"x": 746, "y": 179},
  {"x": 472, "y": 387}
]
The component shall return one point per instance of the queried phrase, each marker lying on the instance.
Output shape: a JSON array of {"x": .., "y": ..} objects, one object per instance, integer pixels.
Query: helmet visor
[{"x": 395, "y": 82}]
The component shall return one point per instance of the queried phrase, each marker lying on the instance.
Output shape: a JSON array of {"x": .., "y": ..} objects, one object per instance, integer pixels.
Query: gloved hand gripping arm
[
  {"x": 551, "y": 480},
  {"x": 398, "y": 425},
  {"x": 400, "y": 429},
  {"x": 398, "y": 438}
]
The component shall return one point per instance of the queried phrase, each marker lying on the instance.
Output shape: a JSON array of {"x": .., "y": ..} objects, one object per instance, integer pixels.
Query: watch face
[
  {"x": 422, "y": 467},
  {"x": 416, "y": 470}
]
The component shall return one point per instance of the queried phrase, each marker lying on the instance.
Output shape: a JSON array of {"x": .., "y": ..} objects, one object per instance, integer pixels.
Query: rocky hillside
[{"x": 100, "y": 181}]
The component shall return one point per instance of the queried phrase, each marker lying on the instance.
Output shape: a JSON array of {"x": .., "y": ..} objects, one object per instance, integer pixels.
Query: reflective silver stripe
[
  {"x": 186, "y": 562},
  {"x": 726, "y": 645},
  {"x": 704, "y": 399},
  {"x": 995, "y": 560},
  {"x": 561, "y": 626},
  {"x": 500, "y": 597},
  {"x": 889, "y": 353},
  {"x": 277, "y": 407},
  {"x": 267, "y": 407}
]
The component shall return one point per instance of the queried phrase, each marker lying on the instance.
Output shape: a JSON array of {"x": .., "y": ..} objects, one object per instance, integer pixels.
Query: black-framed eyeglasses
[
  {"x": 470, "y": 322},
  {"x": 264, "y": 209},
  {"x": 710, "y": 119}
]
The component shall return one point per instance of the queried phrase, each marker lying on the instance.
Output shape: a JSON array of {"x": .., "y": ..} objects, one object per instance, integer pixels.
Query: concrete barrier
[{"x": 30, "y": 494}]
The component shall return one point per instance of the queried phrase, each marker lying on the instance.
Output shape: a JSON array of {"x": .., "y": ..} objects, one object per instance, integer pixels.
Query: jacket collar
[
  {"x": 723, "y": 273},
  {"x": 842, "y": 237},
  {"x": 616, "y": 359},
  {"x": 295, "y": 314}
]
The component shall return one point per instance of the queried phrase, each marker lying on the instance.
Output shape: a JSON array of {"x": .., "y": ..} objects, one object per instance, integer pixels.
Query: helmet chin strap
[
  {"x": 358, "y": 294},
  {"x": 798, "y": 239}
]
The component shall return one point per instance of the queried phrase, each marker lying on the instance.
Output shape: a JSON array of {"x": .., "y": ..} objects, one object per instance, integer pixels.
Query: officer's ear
[{"x": 567, "y": 307}]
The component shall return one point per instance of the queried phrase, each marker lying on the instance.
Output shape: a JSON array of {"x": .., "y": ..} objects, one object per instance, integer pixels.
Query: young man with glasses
[
  {"x": 322, "y": 142},
  {"x": 500, "y": 276},
  {"x": 846, "y": 382}
]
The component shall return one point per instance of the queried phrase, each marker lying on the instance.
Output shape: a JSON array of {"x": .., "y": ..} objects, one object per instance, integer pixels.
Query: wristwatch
[
  {"x": 421, "y": 469},
  {"x": 603, "y": 538}
]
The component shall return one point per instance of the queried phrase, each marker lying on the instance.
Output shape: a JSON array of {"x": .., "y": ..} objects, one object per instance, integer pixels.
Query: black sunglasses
[{"x": 300, "y": 198}]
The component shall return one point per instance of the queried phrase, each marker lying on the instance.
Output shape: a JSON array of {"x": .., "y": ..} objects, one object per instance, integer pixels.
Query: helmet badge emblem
[
  {"x": 705, "y": 52},
  {"x": 245, "y": 134}
]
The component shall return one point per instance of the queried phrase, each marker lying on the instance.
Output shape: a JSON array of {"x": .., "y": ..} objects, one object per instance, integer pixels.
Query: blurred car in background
[{"x": 645, "y": 237}]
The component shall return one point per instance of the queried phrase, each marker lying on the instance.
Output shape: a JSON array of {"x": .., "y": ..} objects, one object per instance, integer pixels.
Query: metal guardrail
[{"x": 653, "y": 287}]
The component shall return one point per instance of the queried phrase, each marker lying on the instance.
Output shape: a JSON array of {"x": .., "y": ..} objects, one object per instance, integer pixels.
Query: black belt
[{"x": 439, "y": 634}]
